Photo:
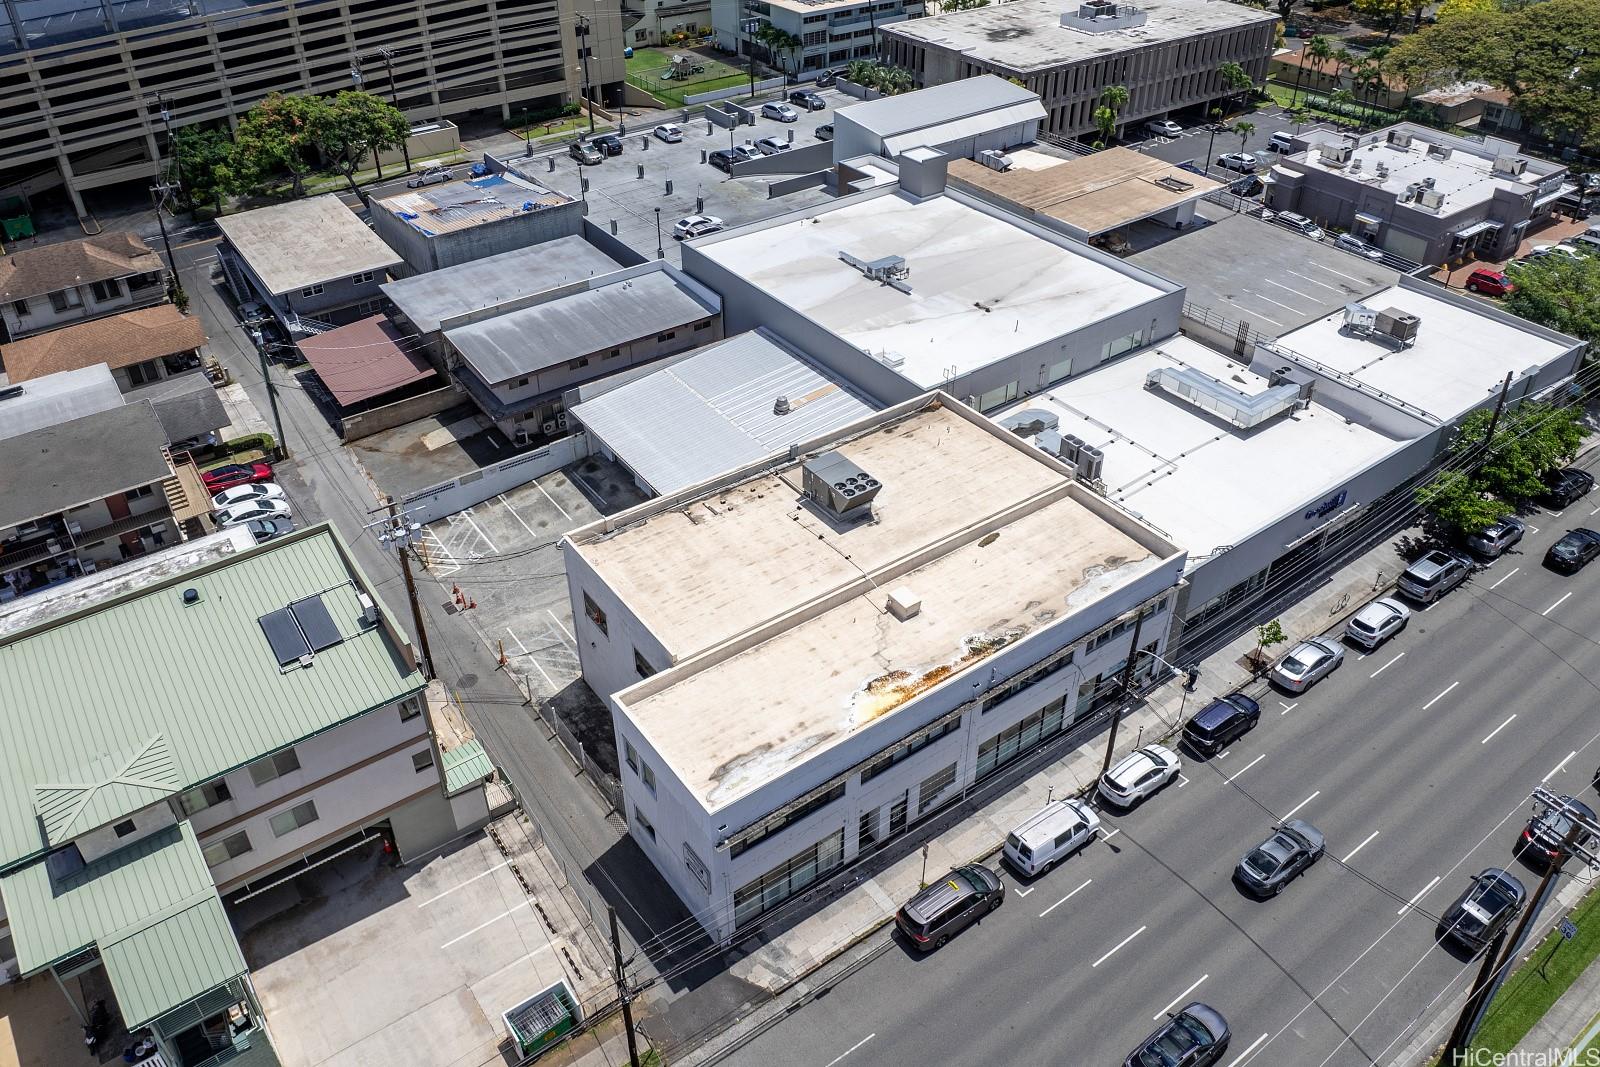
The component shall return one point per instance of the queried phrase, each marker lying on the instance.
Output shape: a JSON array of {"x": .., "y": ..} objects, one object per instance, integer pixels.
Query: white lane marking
[
  {"x": 1224, "y": 753},
  {"x": 1119, "y": 947},
  {"x": 515, "y": 514},
  {"x": 1408, "y": 905},
  {"x": 1296, "y": 292},
  {"x": 1114, "y": 833},
  {"x": 552, "y": 500},
  {"x": 1246, "y": 767},
  {"x": 1268, "y": 299},
  {"x": 1514, "y": 570},
  {"x": 1302, "y": 804},
  {"x": 564, "y": 630},
  {"x": 1340, "y": 273},
  {"x": 1157, "y": 1016},
  {"x": 1313, "y": 281},
  {"x": 1182, "y": 780},
  {"x": 1386, "y": 666},
  {"x": 468, "y": 882},
  {"x": 492, "y": 547},
  {"x": 531, "y": 658},
  {"x": 1594, "y": 509},
  {"x": 1497, "y": 729},
  {"x": 1557, "y": 604},
  {"x": 1361, "y": 846},
  {"x": 1066, "y": 898},
  {"x": 852, "y": 1048},
  {"x": 1557, "y": 768},
  {"x": 1025, "y": 892},
  {"x": 1287, "y": 708},
  {"x": 1533, "y": 528},
  {"x": 1257, "y": 1042},
  {"x": 489, "y": 922},
  {"x": 1441, "y": 696},
  {"x": 521, "y": 959}
]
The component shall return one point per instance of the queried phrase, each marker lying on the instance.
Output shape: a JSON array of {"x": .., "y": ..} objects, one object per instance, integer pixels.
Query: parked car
[
  {"x": 827, "y": 78},
  {"x": 431, "y": 176},
  {"x": 1496, "y": 539},
  {"x": 265, "y": 530},
  {"x": 824, "y": 132},
  {"x": 774, "y": 109},
  {"x": 585, "y": 153},
  {"x": 1139, "y": 775},
  {"x": 1308, "y": 663},
  {"x": 1574, "y": 551},
  {"x": 241, "y": 514},
  {"x": 745, "y": 150},
  {"x": 241, "y": 494},
  {"x": 219, "y": 478},
  {"x": 1267, "y": 869},
  {"x": 609, "y": 143},
  {"x": 1220, "y": 723},
  {"x": 1587, "y": 243},
  {"x": 669, "y": 132},
  {"x": 808, "y": 99},
  {"x": 1243, "y": 162},
  {"x": 1050, "y": 835},
  {"x": 1541, "y": 840},
  {"x": 1197, "y": 1036},
  {"x": 771, "y": 146},
  {"x": 1280, "y": 142},
  {"x": 1565, "y": 487},
  {"x": 1299, "y": 224},
  {"x": 1432, "y": 576},
  {"x": 950, "y": 905},
  {"x": 1539, "y": 252},
  {"x": 1163, "y": 128},
  {"x": 1356, "y": 246},
  {"x": 1483, "y": 910},
  {"x": 1377, "y": 622},
  {"x": 696, "y": 226},
  {"x": 1489, "y": 282},
  {"x": 724, "y": 159}
]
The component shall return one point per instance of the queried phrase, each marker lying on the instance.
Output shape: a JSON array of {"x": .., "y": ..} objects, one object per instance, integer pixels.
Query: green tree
[
  {"x": 1244, "y": 130},
  {"x": 862, "y": 72},
  {"x": 350, "y": 125},
  {"x": 1115, "y": 97},
  {"x": 1561, "y": 293},
  {"x": 1386, "y": 13},
  {"x": 1267, "y": 635},
  {"x": 1105, "y": 120},
  {"x": 961, "y": 5},
  {"x": 1316, "y": 51},
  {"x": 277, "y": 136},
  {"x": 1236, "y": 80},
  {"x": 1457, "y": 501},
  {"x": 1500, "y": 473},
  {"x": 205, "y": 159},
  {"x": 895, "y": 80}
]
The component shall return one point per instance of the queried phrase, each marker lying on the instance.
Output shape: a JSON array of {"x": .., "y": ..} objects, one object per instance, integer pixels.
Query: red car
[
  {"x": 1489, "y": 282},
  {"x": 235, "y": 474}
]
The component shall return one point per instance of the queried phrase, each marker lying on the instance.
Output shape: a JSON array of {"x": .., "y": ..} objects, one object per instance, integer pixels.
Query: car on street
[
  {"x": 1267, "y": 869},
  {"x": 1494, "y": 540},
  {"x": 1574, "y": 551},
  {"x": 1197, "y": 1036},
  {"x": 808, "y": 99},
  {"x": 264, "y": 530},
  {"x": 609, "y": 143},
  {"x": 431, "y": 176},
  {"x": 771, "y": 146},
  {"x": 1299, "y": 224},
  {"x": 1376, "y": 623},
  {"x": 1538, "y": 252},
  {"x": 1051, "y": 834},
  {"x": 226, "y": 477},
  {"x": 586, "y": 153},
  {"x": 773, "y": 109},
  {"x": 669, "y": 132},
  {"x": 1483, "y": 910},
  {"x": 1489, "y": 282},
  {"x": 696, "y": 226},
  {"x": 1243, "y": 162},
  {"x": 1139, "y": 775},
  {"x": 1433, "y": 575},
  {"x": 824, "y": 132},
  {"x": 1564, "y": 487},
  {"x": 241, "y": 494},
  {"x": 1542, "y": 838},
  {"x": 1308, "y": 663},
  {"x": 1356, "y": 246},
  {"x": 1220, "y": 723},
  {"x": 1163, "y": 128},
  {"x": 949, "y": 905},
  {"x": 241, "y": 514}
]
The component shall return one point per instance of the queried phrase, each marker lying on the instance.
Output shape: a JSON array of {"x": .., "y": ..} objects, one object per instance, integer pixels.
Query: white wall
[
  {"x": 606, "y": 658},
  {"x": 104, "y": 840}
]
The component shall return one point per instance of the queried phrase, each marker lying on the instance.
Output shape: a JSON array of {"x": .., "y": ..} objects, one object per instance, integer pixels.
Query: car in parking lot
[
  {"x": 1433, "y": 575},
  {"x": 1356, "y": 246},
  {"x": 724, "y": 159},
  {"x": 669, "y": 132},
  {"x": 1139, "y": 775},
  {"x": 242, "y": 513},
  {"x": 1197, "y": 1036},
  {"x": 1539, "y": 252},
  {"x": 1267, "y": 869},
  {"x": 1574, "y": 551},
  {"x": 1243, "y": 162},
  {"x": 773, "y": 109},
  {"x": 1050, "y": 835},
  {"x": 586, "y": 153},
  {"x": 1299, "y": 224},
  {"x": 609, "y": 143},
  {"x": 1377, "y": 622},
  {"x": 1220, "y": 723},
  {"x": 1496, "y": 539},
  {"x": 226, "y": 477},
  {"x": 696, "y": 226},
  {"x": 824, "y": 132},
  {"x": 827, "y": 77},
  {"x": 239, "y": 494},
  {"x": 1489, "y": 282},
  {"x": 1308, "y": 663},
  {"x": 431, "y": 176},
  {"x": 1545, "y": 833},
  {"x": 949, "y": 905},
  {"x": 771, "y": 146},
  {"x": 808, "y": 99},
  {"x": 1565, "y": 487},
  {"x": 264, "y": 530},
  {"x": 1163, "y": 128},
  {"x": 1483, "y": 910},
  {"x": 1280, "y": 142}
]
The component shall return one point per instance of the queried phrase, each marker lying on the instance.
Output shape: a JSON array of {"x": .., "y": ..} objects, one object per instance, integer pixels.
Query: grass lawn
[{"x": 648, "y": 64}]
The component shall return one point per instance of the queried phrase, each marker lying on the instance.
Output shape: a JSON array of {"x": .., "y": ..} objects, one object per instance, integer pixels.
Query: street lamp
[
  {"x": 661, "y": 253},
  {"x": 749, "y": 27},
  {"x": 582, "y": 30}
]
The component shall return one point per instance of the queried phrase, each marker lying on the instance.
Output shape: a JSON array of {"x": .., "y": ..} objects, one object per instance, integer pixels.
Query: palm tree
[
  {"x": 1244, "y": 130},
  {"x": 1113, "y": 98},
  {"x": 862, "y": 72},
  {"x": 1235, "y": 79},
  {"x": 1321, "y": 50},
  {"x": 1340, "y": 99},
  {"x": 1344, "y": 62},
  {"x": 1314, "y": 50},
  {"x": 895, "y": 80},
  {"x": 1378, "y": 81},
  {"x": 1105, "y": 120}
]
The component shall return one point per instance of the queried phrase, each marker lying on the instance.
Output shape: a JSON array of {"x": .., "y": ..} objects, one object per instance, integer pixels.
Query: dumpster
[{"x": 543, "y": 1020}]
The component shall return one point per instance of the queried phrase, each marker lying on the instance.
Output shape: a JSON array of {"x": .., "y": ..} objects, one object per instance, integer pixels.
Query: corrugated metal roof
[
  {"x": 522, "y": 342},
  {"x": 939, "y": 103},
  {"x": 106, "y": 680},
  {"x": 172, "y": 961},
  {"x": 713, "y": 411},
  {"x": 958, "y": 129},
  {"x": 466, "y": 765},
  {"x": 109, "y": 788}
]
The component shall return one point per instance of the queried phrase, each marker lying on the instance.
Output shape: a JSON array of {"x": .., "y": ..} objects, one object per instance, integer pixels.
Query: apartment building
[
  {"x": 84, "y": 81},
  {"x": 54, "y": 285},
  {"x": 1166, "y": 52},
  {"x": 646, "y": 22},
  {"x": 140, "y": 347},
  {"x": 832, "y": 32},
  {"x": 163, "y": 787}
]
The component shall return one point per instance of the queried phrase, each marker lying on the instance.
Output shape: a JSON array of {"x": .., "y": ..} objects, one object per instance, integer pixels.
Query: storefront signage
[{"x": 1328, "y": 506}]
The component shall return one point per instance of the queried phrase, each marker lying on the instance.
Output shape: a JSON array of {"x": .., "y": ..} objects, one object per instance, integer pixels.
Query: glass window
[
  {"x": 788, "y": 878},
  {"x": 410, "y": 708},
  {"x": 1060, "y": 371},
  {"x": 196, "y": 800},
  {"x": 907, "y": 749},
  {"x": 997, "y": 396},
  {"x": 230, "y": 847},
  {"x": 629, "y": 754},
  {"x": 107, "y": 290},
  {"x": 21, "y": 308},
  {"x": 642, "y": 665},
  {"x": 644, "y": 823},
  {"x": 66, "y": 300},
  {"x": 933, "y": 786},
  {"x": 596, "y": 616},
  {"x": 1016, "y": 740},
  {"x": 288, "y": 821},
  {"x": 647, "y": 776},
  {"x": 276, "y": 765},
  {"x": 815, "y": 804},
  {"x": 996, "y": 697},
  {"x": 311, "y": 290},
  {"x": 124, "y": 828}
]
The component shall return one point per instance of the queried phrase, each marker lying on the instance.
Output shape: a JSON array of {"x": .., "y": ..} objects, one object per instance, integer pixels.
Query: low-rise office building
[
  {"x": 440, "y": 226},
  {"x": 808, "y": 656},
  {"x": 659, "y": 19},
  {"x": 1165, "y": 52},
  {"x": 50, "y": 286},
  {"x": 979, "y": 114},
  {"x": 831, "y": 32}
]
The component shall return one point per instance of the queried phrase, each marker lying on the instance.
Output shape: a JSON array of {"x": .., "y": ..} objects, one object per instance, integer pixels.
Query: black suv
[
  {"x": 808, "y": 99},
  {"x": 1483, "y": 910},
  {"x": 949, "y": 906},
  {"x": 1541, "y": 840},
  {"x": 609, "y": 143},
  {"x": 1575, "y": 549},
  {"x": 1564, "y": 486},
  {"x": 1218, "y": 724}
]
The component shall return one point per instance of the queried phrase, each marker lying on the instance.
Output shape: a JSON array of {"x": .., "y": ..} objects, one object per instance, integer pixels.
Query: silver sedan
[{"x": 1309, "y": 662}]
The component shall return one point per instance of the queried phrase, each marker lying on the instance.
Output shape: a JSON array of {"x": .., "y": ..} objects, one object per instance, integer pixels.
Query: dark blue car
[{"x": 1221, "y": 722}]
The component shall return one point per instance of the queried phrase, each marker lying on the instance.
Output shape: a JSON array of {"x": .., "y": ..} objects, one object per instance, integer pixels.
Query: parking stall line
[
  {"x": 486, "y": 540},
  {"x": 1268, "y": 299},
  {"x": 1245, "y": 1055},
  {"x": 515, "y": 514},
  {"x": 1557, "y": 769},
  {"x": 469, "y": 881},
  {"x": 531, "y": 657},
  {"x": 1412, "y": 903},
  {"x": 1313, "y": 281},
  {"x": 1182, "y": 780},
  {"x": 1119, "y": 947},
  {"x": 1246, "y": 767},
  {"x": 546, "y": 947},
  {"x": 1296, "y": 292},
  {"x": 1386, "y": 666},
  {"x": 1513, "y": 570},
  {"x": 1066, "y": 898},
  {"x": 552, "y": 500},
  {"x": 563, "y": 629},
  {"x": 1175, "y": 1000},
  {"x": 1113, "y": 833},
  {"x": 1352, "y": 853},
  {"x": 1557, "y": 604},
  {"x": 1302, "y": 804},
  {"x": 1025, "y": 892},
  {"x": 488, "y": 922},
  {"x": 1287, "y": 708},
  {"x": 1441, "y": 696},
  {"x": 1496, "y": 730},
  {"x": 1340, "y": 273}
]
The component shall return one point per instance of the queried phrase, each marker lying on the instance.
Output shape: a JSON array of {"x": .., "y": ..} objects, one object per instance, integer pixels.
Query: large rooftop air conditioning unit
[
  {"x": 995, "y": 159},
  {"x": 1509, "y": 166},
  {"x": 1071, "y": 448},
  {"x": 1400, "y": 138},
  {"x": 1090, "y": 462},
  {"x": 839, "y": 486},
  {"x": 1399, "y": 326}
]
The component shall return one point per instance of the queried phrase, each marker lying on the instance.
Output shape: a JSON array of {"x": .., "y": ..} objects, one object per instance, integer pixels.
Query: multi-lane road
[{"x": 1415, "y": 761}]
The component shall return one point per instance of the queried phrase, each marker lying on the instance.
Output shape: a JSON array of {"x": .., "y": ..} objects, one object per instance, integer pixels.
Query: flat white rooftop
[
  {"x": 981, "y": 288},
  {"x": 1197, "y": 479},
  {"x": 1459, "y": 361},
  {"x": 701, "y": 574},
  {"x": 305, "y": 242}
]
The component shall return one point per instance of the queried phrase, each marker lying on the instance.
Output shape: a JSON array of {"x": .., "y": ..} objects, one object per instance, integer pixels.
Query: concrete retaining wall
[
  {"x": 795, "y": 184},
  {"x": 367, "y": 423},
  {"x": 733, "y": 91},
  {"x": 803, "y": 158},
  {"x": 475, "y": 487},
  {"x": 599, "y": 235}
]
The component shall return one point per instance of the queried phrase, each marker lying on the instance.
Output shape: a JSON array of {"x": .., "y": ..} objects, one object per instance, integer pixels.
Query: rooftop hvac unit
[
  {"x": 1428, "y": 183},
  {"x": 1335, "y": 154},
  {"x": 1383, "y": 169},
  {"x": 995, "y": 159},
  {"x": 1432, "y": 199},
  {"x": 1090, "y": 462},
  {"x": 1509, "y": 166},
  {"x": 369, "y": 609},
  {"x": 1439, "y": 151},
  {"x": 1397, "y": 325},
  {"x": 838, "y": 485},
  {"x": 1030, "y": 421},
  {"x": 1071, "y": 447},
  {"x": 1400, "y": 138}
]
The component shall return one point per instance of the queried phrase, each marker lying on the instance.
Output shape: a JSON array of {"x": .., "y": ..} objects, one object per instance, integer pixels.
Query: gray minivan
[
  {"x": 1432, "y": 576},
  {"x": 949, "y": 906}
]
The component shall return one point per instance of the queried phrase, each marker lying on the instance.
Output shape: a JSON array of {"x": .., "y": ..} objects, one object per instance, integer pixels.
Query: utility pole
[
  {"x": 624, "y": 997},
  {"x": 394, "y": 99},
  {"x": 1127, "y": 683},
  {"x": 398, "y": 533},
  {"x": 749, "y": 26},
  {"x": 166, "y": 120},
  {"x": 1500, "y": 405},
  {"x": 259, "y": 340},
  {"x": 158, "y": 197},
  {"x": 583, "y": 53},
  {"x": 1480, "y": 987}
]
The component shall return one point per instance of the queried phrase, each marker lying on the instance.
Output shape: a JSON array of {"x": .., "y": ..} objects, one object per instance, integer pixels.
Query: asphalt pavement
[{"x": 1416, "y": 761}]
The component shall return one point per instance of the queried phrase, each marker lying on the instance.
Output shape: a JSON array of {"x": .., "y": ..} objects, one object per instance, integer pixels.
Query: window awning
[
  {"x": 367, "y": 358},
  {"x": 1477, "y": 228},
  {"x": 1367, "y": 219}
]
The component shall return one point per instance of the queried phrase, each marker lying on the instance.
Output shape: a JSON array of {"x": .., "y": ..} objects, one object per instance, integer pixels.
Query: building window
[
  {"x": 276, "y": 765},
  {"x": 520, "y": 383},
  {"x": 643, "y": 823},
  {"x": 124, "y": 828},
  {"x": 907, "y": 749},
  {"x": 596, "y": 616},
  {"x": 410, "y": 708},
  {"x": 669, "y": 335},
  {"x": 362, "y": 278},
  {"x": 21, "y": 308},
  {"x": 66, "y": 300},
  {"x": 697, "y": 867},
  {"x": 1060, "y": 372},
  {"x": 575, "y": 364},
  {"x": 421, "y": 761},
  {"x": 648, "y": 777},
  {"x": 144, "y": 281},
  {"x": 614, "y": 353},
  {"x": 1020, "y": 738},
  {"x": 139, "y": 493},
  {"x": 1113, "y": 349},
  {"x": 815, "y": 804},
  {"x": 289, "y": 821},
  {"x": 933, "y": 785},
  {"x": 208, "y": 795},
  {"x": 231, "y": 847},
  {"x": 788, "y": 878},
  {"x": 642, "y": 665},
  {"x": 999, "y": 395},
  {"x": 106, "y": 291},
  {"x": 706, "y": 325},
  {"x": 630, "y": 754},
  {"x": 311, "y": 290},
  {"x": 1011, "y": 689}
]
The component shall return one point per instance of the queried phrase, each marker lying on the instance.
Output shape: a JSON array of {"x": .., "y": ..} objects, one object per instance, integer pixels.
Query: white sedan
[
  {"x": 243, "y": 494},
  {"x": 1309, "y": 662},
  {"x": 696, "y": 226},
  {"x": 771, "y": 146},
  {"x": 1139, "y": 775},
  {"x": 250, "y": 510},
  {"x": 1377, "y": 622},
  {"x": 1163, "y": 128},
  {"x": 669, "y": 132}
]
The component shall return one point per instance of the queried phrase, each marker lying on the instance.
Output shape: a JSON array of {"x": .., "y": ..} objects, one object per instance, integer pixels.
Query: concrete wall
[
  {"x": 423, "y": 824},
  {"x": 423, "y": 253},
  {"x": 367, "y": 423},
  {"x": 803, "y": 158},
  {"x": 475, "y": 487},
  {"x": 440, "y": 138},
  {"x": 599, "y": 235}
]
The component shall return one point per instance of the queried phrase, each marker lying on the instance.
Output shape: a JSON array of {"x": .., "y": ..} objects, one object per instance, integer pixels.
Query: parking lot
[{"x": 1196, "y": 139}]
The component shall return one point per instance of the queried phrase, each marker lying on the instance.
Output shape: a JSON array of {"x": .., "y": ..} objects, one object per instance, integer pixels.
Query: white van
[{"x": 1050, "y": 835}]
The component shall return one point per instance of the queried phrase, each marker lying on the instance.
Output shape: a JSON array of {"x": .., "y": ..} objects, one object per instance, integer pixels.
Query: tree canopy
[
  {"x": 1561, "y": 293},
  {"x": 1529, "y": 440},
  {"x": 348, "y": 126},
  {"x": 205, "y": 160},
  {"x": 278, "y": 135}
]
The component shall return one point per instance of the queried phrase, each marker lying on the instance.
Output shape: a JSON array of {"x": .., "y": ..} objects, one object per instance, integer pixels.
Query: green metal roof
[
  {"x": 465, "y": 766},
  {"x": 82, "y": 695},
  {"x": 172, "y": 961}
]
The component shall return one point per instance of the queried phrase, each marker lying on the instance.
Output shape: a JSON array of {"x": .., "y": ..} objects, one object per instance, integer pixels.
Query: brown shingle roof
[
  {"x": 50, "y": 268},
  {"x": 118, "y": 341}
]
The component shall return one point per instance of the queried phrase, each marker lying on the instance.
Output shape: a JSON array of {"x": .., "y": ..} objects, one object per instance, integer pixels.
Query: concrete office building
[
  {"x": 1420, "y": 193},
  {"x": 832, "y": 32},
  {"x": 1166, "y": 52},
  {"x": 81, "y": 77},
  {"x": 440, "y": 226},
  {"x": 793, "y": 684},
  {"x": 977, "y": 115}
]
